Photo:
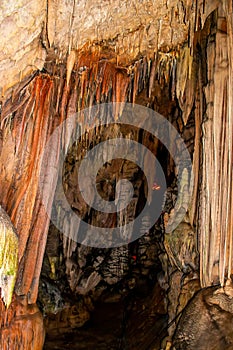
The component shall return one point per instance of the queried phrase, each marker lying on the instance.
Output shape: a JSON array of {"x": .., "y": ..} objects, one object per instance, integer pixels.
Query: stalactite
[
  {"x": 228, "y": 7},
  {"x": 193, "y": 211},
  {"x": 27, "y": 110},
  {"x": 70, "y": 65},
  {"x": 152, "y": 77},
  {"x": 136, "y": 80},
  {"x": 121, "y": 87},
  {"x": 32, "y": 123},
  {"x": 215, "y": 223},
  {"x": 185, "y": 85},
  {"x": 145, "y": 71}
]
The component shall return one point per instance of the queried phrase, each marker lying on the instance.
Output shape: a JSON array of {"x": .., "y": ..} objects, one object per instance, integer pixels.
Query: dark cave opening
[
  {"x": 124, "y": 288},
  {"x": 116, "y": 298}
]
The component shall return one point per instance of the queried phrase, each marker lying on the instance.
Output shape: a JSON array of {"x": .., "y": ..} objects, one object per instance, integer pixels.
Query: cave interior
[{"x": 159, "y": 99}]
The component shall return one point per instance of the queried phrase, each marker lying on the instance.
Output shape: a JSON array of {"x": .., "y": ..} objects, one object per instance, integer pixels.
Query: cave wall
[
  {"x": 180, "y": 44},
  {"x": 215, "y": 224},
  {"x": 32, "y": 32}
]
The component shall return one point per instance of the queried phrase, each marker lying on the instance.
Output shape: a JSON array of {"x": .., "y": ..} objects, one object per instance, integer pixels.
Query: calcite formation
[
  {"x": 60, "y": 57},
  {"x": 32, "y": 31}
]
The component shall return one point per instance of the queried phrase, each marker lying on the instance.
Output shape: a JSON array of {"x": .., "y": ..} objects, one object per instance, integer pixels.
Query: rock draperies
[
  {"x": 215, "y": 227},
  {"x": 31, "y": 114},
  {"x": 27, "y": 122}
]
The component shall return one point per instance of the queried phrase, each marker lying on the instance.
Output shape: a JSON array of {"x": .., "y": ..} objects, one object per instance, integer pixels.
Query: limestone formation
[{"x": 59, "y": 58}]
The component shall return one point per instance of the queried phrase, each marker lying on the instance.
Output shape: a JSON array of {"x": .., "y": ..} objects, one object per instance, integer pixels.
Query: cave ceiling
[{"x": 33, "y": 31}]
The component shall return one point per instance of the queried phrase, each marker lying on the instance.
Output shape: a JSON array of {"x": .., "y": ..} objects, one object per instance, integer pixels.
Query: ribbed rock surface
[
  {"x": 168, "y": 55},
  {"x": 32, "y": 30}
]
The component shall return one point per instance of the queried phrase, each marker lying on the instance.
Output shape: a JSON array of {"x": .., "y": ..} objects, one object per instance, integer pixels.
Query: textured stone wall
[
  {"x": 38, "y": 35},
  {"x": 32, "y": 30},
  {"x": 21, "y": 52},
  {"x": 149, "y": 23}
]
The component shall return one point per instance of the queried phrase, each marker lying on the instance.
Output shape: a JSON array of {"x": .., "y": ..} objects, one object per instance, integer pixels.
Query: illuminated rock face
[
  {"x": 172, "y": 56},
  {"x": 21, "y": 54},
  {"x": 32, "y": 30}
]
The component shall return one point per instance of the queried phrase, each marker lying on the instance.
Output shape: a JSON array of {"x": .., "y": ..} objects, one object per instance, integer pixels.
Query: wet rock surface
[
  {"x": 141, "y": 60},
  {"x": 206, "y": 322},
  {"x": 38, "y": 30}
]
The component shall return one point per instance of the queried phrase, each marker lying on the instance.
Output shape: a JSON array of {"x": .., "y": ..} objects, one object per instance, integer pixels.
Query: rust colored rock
[
  {"x": 24, "y": 330},
  {"x": 22, "y": 150},
  {"x": 29, "y": 117}
]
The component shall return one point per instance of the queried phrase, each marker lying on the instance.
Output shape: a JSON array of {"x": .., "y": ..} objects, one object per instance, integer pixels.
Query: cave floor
[{"x": 127, "y": 325}]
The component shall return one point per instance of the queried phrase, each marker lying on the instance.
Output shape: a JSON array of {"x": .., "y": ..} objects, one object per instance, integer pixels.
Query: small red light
[
  {"x": 155, "y": 187},
  {"x": 134, "y": 257}
]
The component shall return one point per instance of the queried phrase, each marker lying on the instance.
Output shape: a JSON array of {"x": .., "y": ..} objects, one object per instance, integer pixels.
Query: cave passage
[{"x": 116, "y": 298}]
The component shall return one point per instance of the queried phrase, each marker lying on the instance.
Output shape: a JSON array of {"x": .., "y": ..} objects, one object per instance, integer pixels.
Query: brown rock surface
[
  {"x": 206, "y": 323},
  {"x": 31, "y": 30},
  {"x": 173, "y": 56}
]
